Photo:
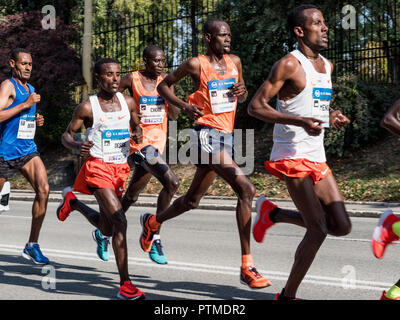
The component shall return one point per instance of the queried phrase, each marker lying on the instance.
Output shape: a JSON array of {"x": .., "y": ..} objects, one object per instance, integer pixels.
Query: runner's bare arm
[
  {"x": 137, "y": 135},
  {"x": 126, "y": 83},
  {"x": 259, "y": 106},
  {"x": 81, "y": 116},
  {"x": 191, "y": 68},
  {"x": 391, "y": 120},
  {"x": 7, "y": 96},
  {"x": 173, "y": 111},
  {"x": 239, "y": 88}
]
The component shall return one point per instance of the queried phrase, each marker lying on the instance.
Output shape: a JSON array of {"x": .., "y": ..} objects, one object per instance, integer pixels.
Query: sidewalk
[{"x": 354, "y": 208}]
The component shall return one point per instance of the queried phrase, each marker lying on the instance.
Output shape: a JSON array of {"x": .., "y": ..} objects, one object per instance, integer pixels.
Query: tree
[{"x": 56, "y": 67}]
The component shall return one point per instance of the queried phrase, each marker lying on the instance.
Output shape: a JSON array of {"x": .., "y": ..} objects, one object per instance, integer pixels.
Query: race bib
[
  {"x": 116, "y": 145},
  {"x": 221, "y": 96},
  {"x": 321, "y": 101},
  {"x": 152, "y": 110},
  {"x": 27, "y": 126}
]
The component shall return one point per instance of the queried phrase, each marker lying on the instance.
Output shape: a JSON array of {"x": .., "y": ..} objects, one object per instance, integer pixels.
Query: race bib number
[
  {"x": 152, "y": 110},
  {"x": 221, "y": 96},
  {"x": 27, "y": 126},
  {"x": 115, "y": 144},
  {"x": 322, "y": 98}
]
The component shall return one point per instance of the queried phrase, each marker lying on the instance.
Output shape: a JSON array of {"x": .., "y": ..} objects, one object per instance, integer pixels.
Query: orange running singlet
[
  {"x": 214, "y": 95},
  {"x": 154, "y": 112}
]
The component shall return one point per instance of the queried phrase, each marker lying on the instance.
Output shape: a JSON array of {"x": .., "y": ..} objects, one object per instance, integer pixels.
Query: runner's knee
[
  {"x": 342, "y": 229},
  {"x": 119, "y": 220},
  {"x": 172, "y": 186}
]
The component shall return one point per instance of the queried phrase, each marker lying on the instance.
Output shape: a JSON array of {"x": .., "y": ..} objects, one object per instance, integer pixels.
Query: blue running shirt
[{"x": 16, "y": 133}]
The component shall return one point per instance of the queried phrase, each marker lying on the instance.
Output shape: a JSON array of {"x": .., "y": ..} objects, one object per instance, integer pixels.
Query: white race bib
[
  {"x": 116, "y": 145},
  {"x": 221, "y": 96},
  {"x": 152, "y": 110},
  {"x": 321, "y": 99},
  {"x": 27, "y": 126}
]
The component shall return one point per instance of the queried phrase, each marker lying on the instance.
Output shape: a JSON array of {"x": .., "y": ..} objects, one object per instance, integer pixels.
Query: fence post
[
  {"x": 87, "y": 50},
  {"x": 195, "y": 51}
]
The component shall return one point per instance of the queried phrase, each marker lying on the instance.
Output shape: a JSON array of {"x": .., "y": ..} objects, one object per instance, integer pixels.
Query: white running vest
[
  {"x": 110, "y": 132},
  {"x": 293, "y": 142}
]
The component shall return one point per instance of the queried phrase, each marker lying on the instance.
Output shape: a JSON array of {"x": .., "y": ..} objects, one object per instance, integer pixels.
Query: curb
[{"x": 374, "y": 209}]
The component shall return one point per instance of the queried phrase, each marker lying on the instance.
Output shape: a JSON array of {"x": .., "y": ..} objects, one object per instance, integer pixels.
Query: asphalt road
[{"x": 202, "y": 247}]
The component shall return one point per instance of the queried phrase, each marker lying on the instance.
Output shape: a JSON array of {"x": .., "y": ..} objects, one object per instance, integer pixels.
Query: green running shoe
[
  {"x": 102, "y": 245},
  {"x": 156, "y": 253}
]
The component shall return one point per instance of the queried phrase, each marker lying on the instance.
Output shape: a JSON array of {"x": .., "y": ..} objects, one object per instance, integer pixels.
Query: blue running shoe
[
  {"x": 156, "y": 253},
  {"x": 34, "y": 254},
  {"x": 102, "y": 245}
]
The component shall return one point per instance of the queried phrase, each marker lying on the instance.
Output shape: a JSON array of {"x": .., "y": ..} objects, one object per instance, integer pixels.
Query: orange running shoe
[
  {"x": 263, "y": 207},
  {"x": 383, "y": 233},
  {"x": 386, "y": 298},
  {"x": 146, "y": 238},
  {"x": 64, "y": 209},
  {"x": 129, "y": 292},
  {"x": 251, "y": 277}
]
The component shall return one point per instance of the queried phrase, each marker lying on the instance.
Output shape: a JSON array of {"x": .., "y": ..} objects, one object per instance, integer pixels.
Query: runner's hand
[
  {"x": 337, "y": 119},
  {"x": 312, "y": 126},
  {"x": 85, "y": 147},
  {"x": 137, "y": 135},
  {"x": 239, "y": 89},
  {"x": 32, "y": 99},
  {"x": 39, "y": 120},
  {"x": 193, "y": 111}
]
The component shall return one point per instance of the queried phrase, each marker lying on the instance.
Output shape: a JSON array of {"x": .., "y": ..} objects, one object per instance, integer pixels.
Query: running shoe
[
  {"x": 383, "y": 233},
  {"x": 129, "y": 292},
  {"x": 386, "y": 298},
  {"x": 279, "y": 295},
  {"x": 34, "y": 254},
  {"x": 157, "y": 254},
  {"x": 146, "y": 238},
  {"x": 5, "y": 197},
  {"x": 64, "y": 209},
  {"x": 103, "y": 250},
  {"x": 253, "y": 278},
  {"x": 263, "y": 207}
]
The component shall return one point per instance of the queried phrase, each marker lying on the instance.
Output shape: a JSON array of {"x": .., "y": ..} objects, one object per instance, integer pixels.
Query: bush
[
  {"x": 364, "y": 103},
  {"x": 56, "y": 68}
]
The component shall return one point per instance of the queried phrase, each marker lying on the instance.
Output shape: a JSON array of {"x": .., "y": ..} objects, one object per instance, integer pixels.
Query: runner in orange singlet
[
  {"x": 146, "y": 156},
  {"x": 217, "y": 77}
]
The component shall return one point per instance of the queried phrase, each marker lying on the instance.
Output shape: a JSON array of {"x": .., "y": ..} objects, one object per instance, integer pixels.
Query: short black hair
[
  {"x": 99, "y": 64},
  {"x": 150, "y": 49},
  {"x": 296, "y": 17},
  {"x": 15, "y": 53},
  {"x": 208, "y": 26}
]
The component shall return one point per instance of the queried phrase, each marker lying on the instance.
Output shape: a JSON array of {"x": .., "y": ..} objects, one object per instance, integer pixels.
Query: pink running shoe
[
  {"x": 64, "y": 209},
  {"x": 263, "y": 207},
  {"x": 383, "y": 233}
]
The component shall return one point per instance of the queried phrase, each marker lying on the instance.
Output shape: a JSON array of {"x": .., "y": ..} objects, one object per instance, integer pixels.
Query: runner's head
[
  {"x": 217, "y": 35},
  {"x": 154, "y": 60},
  {"x": 107, "y": 74},
  {"x": 307, "y": 24},
  {"x": 21, "y": 64}
]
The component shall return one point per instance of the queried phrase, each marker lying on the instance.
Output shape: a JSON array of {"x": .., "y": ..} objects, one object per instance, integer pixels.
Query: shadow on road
[{"x": 74, "y": 281}]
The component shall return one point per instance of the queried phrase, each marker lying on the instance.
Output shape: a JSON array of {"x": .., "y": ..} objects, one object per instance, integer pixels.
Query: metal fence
[
  {"x": 370, "y": 47},
  {"x": 367, "y": 43},
  {"x": 175, "y": 27}
]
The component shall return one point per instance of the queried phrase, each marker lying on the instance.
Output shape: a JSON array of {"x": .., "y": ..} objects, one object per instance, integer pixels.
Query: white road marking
[{"x": 206, "y": 268}]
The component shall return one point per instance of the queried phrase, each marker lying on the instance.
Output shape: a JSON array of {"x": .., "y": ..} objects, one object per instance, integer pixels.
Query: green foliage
[
  {"x": 364, "y": 103},
  {"x": 56, "y": 68}
]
